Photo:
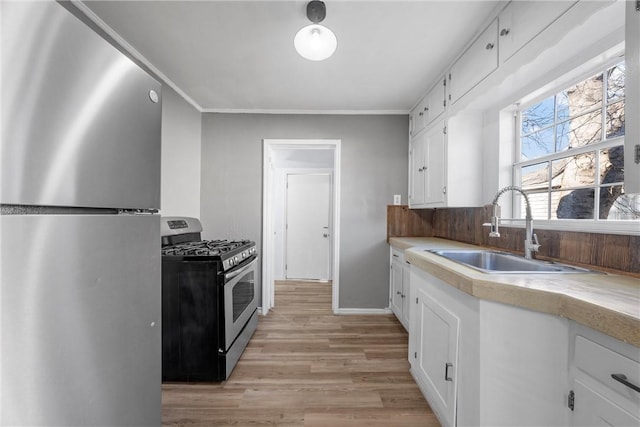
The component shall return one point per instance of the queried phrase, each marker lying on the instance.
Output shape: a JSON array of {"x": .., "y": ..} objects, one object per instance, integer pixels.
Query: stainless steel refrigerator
[{"x": 80, "y": 245}]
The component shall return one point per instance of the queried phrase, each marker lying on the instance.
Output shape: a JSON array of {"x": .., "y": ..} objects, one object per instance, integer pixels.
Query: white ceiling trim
[
  {"x": 310, "y": 112},
  {"x": 132, "y": 51}
]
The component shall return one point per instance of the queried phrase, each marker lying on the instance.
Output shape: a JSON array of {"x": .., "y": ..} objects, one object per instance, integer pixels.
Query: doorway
[{"x": 306, "y": 162}]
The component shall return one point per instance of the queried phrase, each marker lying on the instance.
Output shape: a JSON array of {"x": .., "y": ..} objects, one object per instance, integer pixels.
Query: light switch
[{"x": 397, "y": 199}]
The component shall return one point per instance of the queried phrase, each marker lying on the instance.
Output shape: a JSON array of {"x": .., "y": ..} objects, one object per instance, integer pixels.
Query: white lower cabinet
[
  {"x": 443, "y": 350},
  {"x": 483, "y": 363},
  {"x": 523, "y": 367},
  {"x": 597, "y": 398},
  {"x": 399, "y": 287},
  {"x": 436, "y": 354}
]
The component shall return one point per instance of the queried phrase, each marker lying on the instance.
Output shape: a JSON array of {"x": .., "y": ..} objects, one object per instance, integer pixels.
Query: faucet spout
[{"x": 531, "y": 244}]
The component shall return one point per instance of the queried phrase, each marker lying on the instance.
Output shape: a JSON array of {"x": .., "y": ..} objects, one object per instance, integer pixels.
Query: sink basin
[{"x": 488, "y": 261}]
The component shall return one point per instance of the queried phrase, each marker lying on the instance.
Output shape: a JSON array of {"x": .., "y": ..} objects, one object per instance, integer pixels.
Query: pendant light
[{"x": 315, "y": 42}]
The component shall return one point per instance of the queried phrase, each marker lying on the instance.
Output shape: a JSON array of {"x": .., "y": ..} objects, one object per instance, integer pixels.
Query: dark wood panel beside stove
[{"x": 190, "y": 322}]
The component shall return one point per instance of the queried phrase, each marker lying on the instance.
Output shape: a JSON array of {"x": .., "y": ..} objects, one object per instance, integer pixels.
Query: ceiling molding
[
  {"x": 307, "y": 112},
  {"x": 79, "y": 4}
]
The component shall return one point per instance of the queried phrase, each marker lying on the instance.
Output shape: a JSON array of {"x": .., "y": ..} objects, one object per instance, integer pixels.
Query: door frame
[{"x": 268, "y": 196}]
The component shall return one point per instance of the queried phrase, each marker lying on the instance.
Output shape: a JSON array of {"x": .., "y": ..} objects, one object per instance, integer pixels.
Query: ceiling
[{"x": 238, "y": 56}]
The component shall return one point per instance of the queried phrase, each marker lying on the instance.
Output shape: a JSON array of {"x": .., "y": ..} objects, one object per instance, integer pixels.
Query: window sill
[{"x": 630, "y": 228}]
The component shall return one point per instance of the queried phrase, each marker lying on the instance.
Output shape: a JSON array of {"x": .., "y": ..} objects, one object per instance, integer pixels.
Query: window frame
[{"x": 627, "y": 227}]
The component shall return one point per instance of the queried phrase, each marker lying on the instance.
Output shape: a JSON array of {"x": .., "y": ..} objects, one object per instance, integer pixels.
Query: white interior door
[{"x": 308, "y": 229}]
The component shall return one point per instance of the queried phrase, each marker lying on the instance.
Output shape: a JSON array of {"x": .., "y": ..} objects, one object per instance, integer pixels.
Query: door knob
[{"x": 325, "y": 235}]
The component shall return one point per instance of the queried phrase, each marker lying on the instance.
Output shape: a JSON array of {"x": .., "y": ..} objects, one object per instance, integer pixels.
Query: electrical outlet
[{"x": 397, "y": 199}]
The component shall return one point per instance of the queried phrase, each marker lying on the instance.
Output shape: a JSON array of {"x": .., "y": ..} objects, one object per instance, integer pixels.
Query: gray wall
[
  {"x": 181, "y": 135},
  {"x": 374, "y": 167}
]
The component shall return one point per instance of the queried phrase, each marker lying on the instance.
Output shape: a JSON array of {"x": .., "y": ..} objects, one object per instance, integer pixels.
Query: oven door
[{"x": 240, "y": 299}]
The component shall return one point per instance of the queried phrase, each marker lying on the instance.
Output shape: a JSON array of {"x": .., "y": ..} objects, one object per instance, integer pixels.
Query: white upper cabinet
[
  {"x": 521, "y": 21},
  {"x": 445, "y": 163},
  {"x": 418, "y": 117},
  {"x": 475, "y": 64},
  {"x": 427, "y": 163},
  {"x": 632, "y": 131},
  {"x": 436, "y": 100},
  {"x": 429, "y": 108}
]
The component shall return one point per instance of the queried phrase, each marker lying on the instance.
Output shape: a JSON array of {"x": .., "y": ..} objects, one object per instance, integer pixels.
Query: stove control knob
[
  {"x": 235, "y": 259},
  {"x": 244, "y": 255}
]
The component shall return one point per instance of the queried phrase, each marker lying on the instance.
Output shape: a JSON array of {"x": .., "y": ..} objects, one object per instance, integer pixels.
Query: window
[{"x": 571, "y": 152}]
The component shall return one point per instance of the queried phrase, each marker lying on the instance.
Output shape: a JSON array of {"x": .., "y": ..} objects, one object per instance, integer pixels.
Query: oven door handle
[{"x": 232, "y": 274}]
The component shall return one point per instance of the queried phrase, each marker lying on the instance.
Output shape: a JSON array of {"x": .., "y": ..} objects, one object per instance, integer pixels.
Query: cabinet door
[
  {"x": 436, "y": 101},
  {"x": 437, "y": 335},
  {"x": 593, "y": 409},
  {"x": 395, "y": 299},
  {"x": 521, "y": 21},
  {"x": 418, "y": 166},
  {"x": 419, "y": 116},
  {"x": 476, "y": 63},
  {"x": 435, "y": 165},
  {"x": 406, "y": 306},
  {"x": 632, "y": 132}
]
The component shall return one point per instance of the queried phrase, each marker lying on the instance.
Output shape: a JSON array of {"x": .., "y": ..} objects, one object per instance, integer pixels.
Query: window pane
[
  {"x": 535, "y": 177},
  {"x": 579, "y": 98},
  {"x": 538, "y": 116},
  {"x": 616, "y": 82},
  {"x": 625, "y": 207},
  {"x": 574, "y": 171},
  {"x": 574, "y": 204},
  {"x": 615, "y": 120},
  {"x": 537, "y": 144},
  {"x": 579, "y": 131},
  {"x": 612, "y": 165},
  {"x": 539, "y": 205},
  {"x": 609, "y": 196}
]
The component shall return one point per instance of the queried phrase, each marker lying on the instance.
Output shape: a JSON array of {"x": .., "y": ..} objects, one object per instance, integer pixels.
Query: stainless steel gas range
[{"x": 209, "y": 302}]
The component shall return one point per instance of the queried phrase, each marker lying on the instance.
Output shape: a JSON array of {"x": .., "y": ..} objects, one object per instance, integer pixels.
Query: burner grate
[{"x": 204, "y": 248}]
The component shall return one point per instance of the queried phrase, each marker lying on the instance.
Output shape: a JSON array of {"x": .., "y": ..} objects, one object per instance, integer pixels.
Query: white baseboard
[
  {"x": 378, "y": 311},
  {"x": 348, "y": 311}
]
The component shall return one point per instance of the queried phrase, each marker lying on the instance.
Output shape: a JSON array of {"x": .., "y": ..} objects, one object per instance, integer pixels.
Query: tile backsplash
[{"x": 608, "y": 251}]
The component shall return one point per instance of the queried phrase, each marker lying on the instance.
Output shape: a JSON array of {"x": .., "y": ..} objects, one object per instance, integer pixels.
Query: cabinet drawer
[
  {"x": 600, "y": 363},
  {"x": 397, "y": 255}
]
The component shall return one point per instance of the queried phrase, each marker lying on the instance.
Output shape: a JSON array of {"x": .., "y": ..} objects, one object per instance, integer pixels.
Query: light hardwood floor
[{"x": 306, "y": 367}]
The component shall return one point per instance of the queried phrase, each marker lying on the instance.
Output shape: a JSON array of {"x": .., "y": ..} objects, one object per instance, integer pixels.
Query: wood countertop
[{"x": 608, "y": 303}]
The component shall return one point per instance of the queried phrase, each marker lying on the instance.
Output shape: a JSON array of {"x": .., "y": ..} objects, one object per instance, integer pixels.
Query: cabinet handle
[
  {"x": 421, "y": 113},
  {"x": 396, "y": 256},
  {"x": 504, "y": 32},
  {"x": 622, "y": 378},
  {"x": 489, "y": 46},
  {"x": 397, "y": 292},
  {"x": 426, "y": 108},
  {"x": 446, "y": 371}
]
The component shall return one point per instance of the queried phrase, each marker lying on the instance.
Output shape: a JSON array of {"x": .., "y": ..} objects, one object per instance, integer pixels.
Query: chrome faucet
[{"x": 531, "y": 244}]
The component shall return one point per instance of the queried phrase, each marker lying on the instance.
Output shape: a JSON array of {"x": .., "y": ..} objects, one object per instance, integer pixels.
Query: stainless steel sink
[{"x": 496, "y": 262}]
